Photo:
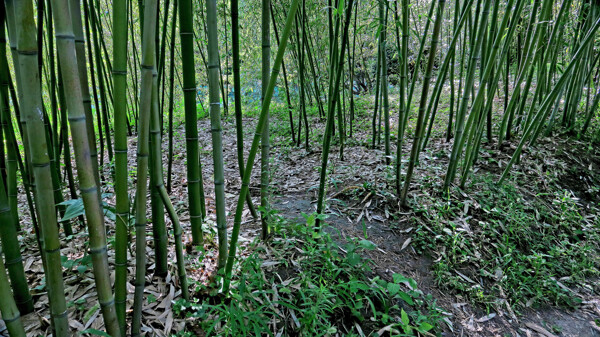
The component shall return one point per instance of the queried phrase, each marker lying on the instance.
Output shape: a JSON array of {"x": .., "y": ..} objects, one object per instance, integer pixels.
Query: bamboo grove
[{"x": 78, "y": 79}]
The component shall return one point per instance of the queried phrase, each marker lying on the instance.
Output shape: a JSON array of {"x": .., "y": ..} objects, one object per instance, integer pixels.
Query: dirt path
[
  {"x": 392, "y": 256},
  {"x": 359, "y": 207}
]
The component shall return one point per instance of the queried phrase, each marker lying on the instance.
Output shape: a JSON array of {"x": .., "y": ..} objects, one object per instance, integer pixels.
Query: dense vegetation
[{"x": 456, "y": 134}]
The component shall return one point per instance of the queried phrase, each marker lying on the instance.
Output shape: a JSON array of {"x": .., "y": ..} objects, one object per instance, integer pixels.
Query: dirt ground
[
  {"x": 354, "y": 214},
  {"x": 295, "y": 179}
]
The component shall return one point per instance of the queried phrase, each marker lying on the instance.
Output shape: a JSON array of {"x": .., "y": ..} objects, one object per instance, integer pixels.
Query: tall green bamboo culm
[
  {"x": 85, "y": 168},
  {"x": 215, "y": 128},
  {"x": 26, "y": 170},
  {"x": 159, "y": 231},
  {"x": 121, "y": 185},
  {"x": 3, "y": 139},
  {"x": 38, "y": 148},
  {"x": 402, "y": 109},
  {"x": 58, "y": 196},
  {"x": 300, "y": 44},
  {"x": 264, "y": 142},
  {"x": 331, "y": 110},
  {"x": 384, "y": 9},
  {"x": 351, "y": 65},
  {"x": 98, "y": 102},
  {"x": 420, "y": 127},
  {"x": 99, "y": 76},
  {"x": 75, "y": 6},
  {"x": 171, "y": 103},
  {"x": 55, "y": 92},
  {"x": 333, "y": 54},
  {"x": 177, "y": 230},
  {"x": 237, "y": 96},
  {"x": 285, "y": 81},
  {"x": 7, "y": 126},
  {"x": 148, "y": 66},
  {"x": 8, "y": 215},
  {"x": 64, "y": 138},
  {"x": 415, "y": 72},
  {"x": 306, "y": 49},
  {"x": 8, "y": 307},
  {"x": 237, "y": 222},
  {"x": 194, "y": 168},
  {"x": 377, "y": 95},
  {"x": 177, "y": 233},
  {"x": 12, "y": 254}
]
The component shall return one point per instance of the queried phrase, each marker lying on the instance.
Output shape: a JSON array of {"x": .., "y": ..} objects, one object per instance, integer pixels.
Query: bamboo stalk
[
  {"x": 237, "y": 96},
  {"x": 8, "y": 307},
  {"x": 75, "y": 7},
  {"x": 254, "y": 148},
  {"x": 159, "y": 231},
  {"x": 264, "y": 142},
  {"x": 120, "y": 38},
  {"x": 331, "y": 110},
  {"x": 216, "y": 130},
  {"x": 148, "y": 66},
  {"x": 194, "y": 168},
  {"x": 420, "y": 127},
  {"x": 38, "y": 148},
  {"x": 12, "y": 254},
  {"x": 85, "y": 168}
]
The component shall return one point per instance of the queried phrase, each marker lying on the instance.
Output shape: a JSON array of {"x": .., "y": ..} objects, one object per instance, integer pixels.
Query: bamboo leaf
[
  {"x": 95, "y": 332},
  {"x": 75, "y": 208}
]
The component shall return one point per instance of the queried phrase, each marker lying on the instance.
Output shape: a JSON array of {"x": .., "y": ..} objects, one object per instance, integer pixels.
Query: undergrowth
[
  {"x": 502, "y": 245},
  {"x": 302, "y": 283}
]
